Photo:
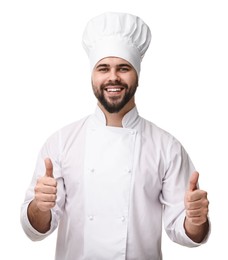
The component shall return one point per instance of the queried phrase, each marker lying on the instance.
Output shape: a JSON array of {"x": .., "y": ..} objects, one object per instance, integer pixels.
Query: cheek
[
  {"x": 96, "y": 80},
  {"x": 131, "y": 79},
  {"x": 95, "y": 85}
]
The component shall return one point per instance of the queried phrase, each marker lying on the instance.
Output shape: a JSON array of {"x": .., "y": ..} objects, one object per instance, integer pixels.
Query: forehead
[{"x": 113, "y": 61}]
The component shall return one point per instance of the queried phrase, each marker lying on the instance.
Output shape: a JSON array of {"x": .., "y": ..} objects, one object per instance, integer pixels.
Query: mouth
[{"x": 114, "y": 90}]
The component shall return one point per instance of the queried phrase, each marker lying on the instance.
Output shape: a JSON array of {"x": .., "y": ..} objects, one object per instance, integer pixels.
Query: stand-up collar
[{"x": 130, "y": 119}]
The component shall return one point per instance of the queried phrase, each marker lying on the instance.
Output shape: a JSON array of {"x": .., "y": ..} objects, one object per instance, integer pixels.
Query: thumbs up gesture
[
  {"x": 196, "y": 202},
  {"x": 46, "y": 188}
]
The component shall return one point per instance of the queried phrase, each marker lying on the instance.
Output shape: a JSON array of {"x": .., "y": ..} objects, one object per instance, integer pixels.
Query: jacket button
[
  {"x": 92, "y": 170},
  {"x": 123, "y": 219},
  {"x": 91, "y": 217}
]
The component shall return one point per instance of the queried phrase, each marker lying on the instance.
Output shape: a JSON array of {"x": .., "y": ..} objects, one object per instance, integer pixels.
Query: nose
[{"x": 113, "y": 75}]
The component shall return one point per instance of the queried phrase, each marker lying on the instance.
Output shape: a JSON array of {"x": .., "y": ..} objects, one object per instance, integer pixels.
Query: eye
[
  {"x": 124, "y": 69},
  {"x": 102, "y": 69}
]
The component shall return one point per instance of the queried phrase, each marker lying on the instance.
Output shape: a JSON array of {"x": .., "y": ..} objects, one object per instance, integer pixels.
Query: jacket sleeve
[
  {"x": 51, "y": 149},
  {"x": 174, "y": 185}
]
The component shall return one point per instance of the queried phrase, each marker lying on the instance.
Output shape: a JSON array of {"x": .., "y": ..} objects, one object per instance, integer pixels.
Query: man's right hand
[{"x": 46, "y": 189}]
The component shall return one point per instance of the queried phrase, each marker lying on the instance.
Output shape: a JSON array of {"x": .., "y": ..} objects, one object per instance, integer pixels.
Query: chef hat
[{"x": 115, "y": 34}]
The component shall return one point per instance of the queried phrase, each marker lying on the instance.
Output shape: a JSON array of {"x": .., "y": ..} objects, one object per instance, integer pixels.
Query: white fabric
[
  {"x": 116, "y": 34},
  {"x": 114, "y": 186}
]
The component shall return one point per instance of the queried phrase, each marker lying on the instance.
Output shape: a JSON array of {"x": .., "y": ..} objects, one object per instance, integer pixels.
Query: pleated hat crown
[{"x": 115, "y": 34}]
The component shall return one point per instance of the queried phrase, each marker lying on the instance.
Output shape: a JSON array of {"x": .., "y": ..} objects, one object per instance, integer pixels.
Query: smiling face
[{"x": 114, "y": 82}]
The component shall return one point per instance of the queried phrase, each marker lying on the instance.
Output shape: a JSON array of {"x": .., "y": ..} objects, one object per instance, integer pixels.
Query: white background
[{"x": 45, "y": 84}]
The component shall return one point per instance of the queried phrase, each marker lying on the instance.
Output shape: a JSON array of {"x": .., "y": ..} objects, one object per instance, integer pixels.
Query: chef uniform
[{"x": 116, "y": 185}]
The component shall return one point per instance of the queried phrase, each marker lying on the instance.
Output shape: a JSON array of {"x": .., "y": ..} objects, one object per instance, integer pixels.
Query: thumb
[
  {"x": 49, "y": 168},
  {"x": 193, "y": 181}
]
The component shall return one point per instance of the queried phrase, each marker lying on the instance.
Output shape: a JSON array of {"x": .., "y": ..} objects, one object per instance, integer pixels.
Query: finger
[
  {"x": 48, "y": 187},
  {"x": 49, "y": 168},
  {"x": 45, "y": 206},
  {"x": 193, "y": 181}
]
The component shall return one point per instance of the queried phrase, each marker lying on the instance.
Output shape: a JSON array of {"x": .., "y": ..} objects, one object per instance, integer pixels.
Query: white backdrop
[{"x": 45, "y": 84}]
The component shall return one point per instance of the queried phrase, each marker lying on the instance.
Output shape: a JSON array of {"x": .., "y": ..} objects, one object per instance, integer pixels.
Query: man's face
[{"x": 114, "y": 82}]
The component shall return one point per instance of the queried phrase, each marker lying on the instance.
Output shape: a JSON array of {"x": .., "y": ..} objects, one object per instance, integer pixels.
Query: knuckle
[
  {"x": 36, "y": 189},
  {"x": 53, "y": 198}
]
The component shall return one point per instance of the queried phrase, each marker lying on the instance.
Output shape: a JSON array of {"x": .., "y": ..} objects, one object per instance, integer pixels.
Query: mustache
[{"x": 115, "y": 83}]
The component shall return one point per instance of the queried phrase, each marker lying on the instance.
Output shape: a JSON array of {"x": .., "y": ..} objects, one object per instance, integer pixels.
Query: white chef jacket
[{"x": 115, "y": 185}]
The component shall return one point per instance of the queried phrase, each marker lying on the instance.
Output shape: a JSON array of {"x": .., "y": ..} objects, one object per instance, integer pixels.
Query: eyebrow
[
  {"x": 102, "y": 65},
  {"x": 124, "y": 65}
]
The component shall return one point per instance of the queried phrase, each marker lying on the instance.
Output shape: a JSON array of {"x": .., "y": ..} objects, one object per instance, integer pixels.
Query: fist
[
  {"x": 196, "y": 202},
  {"x": 46, "y": 188}
]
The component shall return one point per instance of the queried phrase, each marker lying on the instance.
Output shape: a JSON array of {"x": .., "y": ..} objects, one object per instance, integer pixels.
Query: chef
[{"x": 110, "y": 180}]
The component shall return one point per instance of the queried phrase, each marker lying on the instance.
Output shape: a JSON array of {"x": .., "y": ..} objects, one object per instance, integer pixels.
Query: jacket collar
[{"x": 130, "y": 119}]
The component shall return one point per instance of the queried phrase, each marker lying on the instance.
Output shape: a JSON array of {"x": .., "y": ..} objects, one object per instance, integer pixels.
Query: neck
[{"x": 115, "y": 119}]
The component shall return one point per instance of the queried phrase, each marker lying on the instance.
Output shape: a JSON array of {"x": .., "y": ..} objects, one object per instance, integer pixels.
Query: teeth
[{"x": 113, "y": 89}]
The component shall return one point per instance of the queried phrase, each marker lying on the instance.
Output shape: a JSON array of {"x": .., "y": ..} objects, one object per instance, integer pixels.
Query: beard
[{"x": 116, "y": 103}]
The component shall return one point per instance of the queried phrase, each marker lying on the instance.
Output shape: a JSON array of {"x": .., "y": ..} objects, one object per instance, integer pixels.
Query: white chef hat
[{"x": 115, "y": 34}]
